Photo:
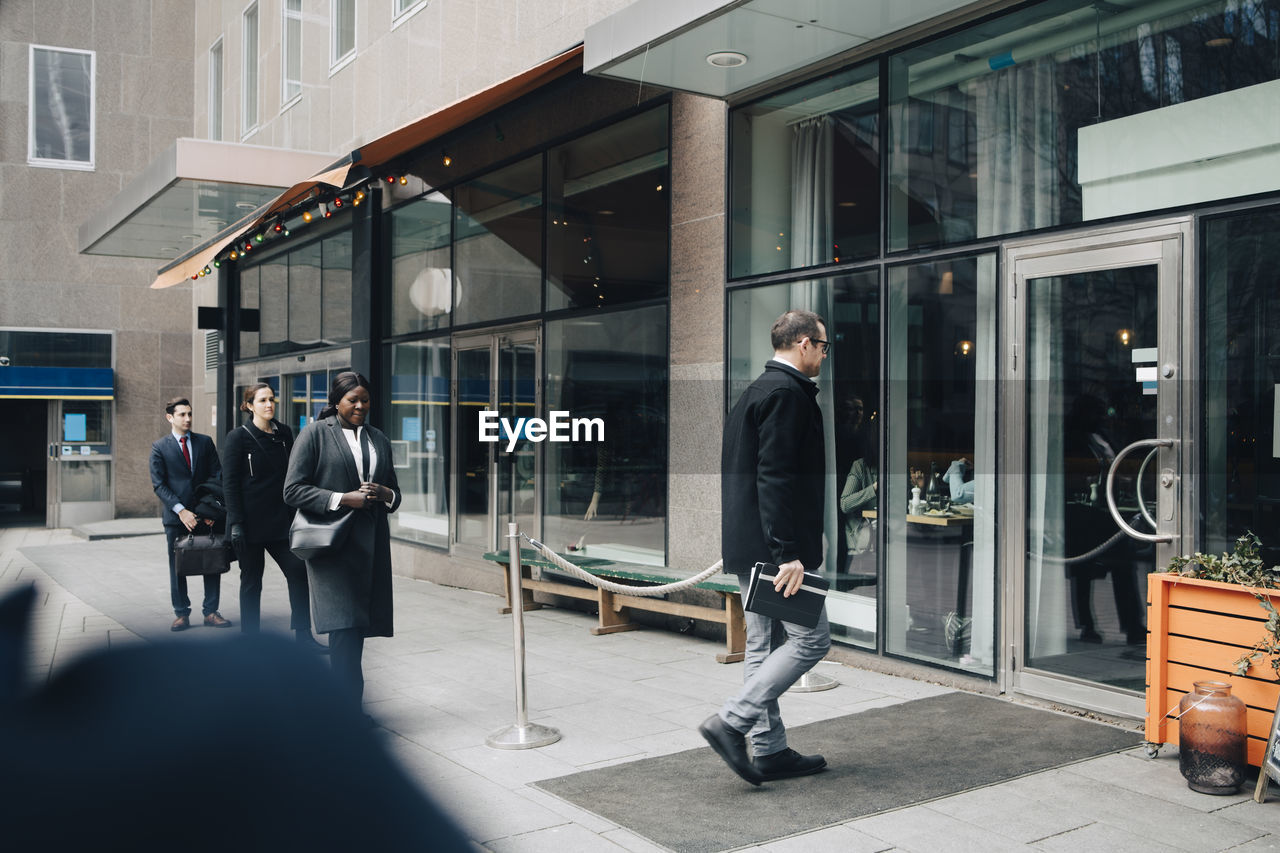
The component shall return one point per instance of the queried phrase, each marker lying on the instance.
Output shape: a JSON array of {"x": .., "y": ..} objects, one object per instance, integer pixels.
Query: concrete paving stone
[
  {"x": 1258, "y": 845},
  {"x": 487, "y": 810},
  {"x": 581, "y": 748},
  {"x": 512, "y": 768},
  {"x": 626, "y": 668},
  {"x": 1261, "y": 816},
  {"x": 1105, "y": 838},
  {"x": 921, "y": 829},
  {"x": 904, "y": 688},
  {"x": 581, "y": 817},
  {"x": 665, "y": 743},
  {"x": 1157, "y": 777},
  {"x": 421, "y": 764},
  {"x": 833, "y": 839},
  {"x": 556, "y": 839},
  {"x": 628, "y": 840},
  {"x": 607, "y": 718},
  {"x": 1011, "y": 815}
]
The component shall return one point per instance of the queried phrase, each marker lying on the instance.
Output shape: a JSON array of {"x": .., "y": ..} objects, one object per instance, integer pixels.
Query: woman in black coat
[
  {"x": 341, "y": 465},
  {"x": 255, "y": 457}
]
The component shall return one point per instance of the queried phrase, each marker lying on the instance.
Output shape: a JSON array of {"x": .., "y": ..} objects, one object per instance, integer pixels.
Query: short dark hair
[
  {"x": 173, "y": 404},
  {"x": 792, "y": 326}
]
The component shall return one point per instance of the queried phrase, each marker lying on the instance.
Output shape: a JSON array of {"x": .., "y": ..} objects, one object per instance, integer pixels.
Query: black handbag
[
  {"x": 311, "y": 537},
  {"x": 201, "y": 554}
]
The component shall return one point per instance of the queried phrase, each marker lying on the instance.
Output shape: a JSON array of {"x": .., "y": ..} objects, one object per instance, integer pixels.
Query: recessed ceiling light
[
  {"x": 173, "y": 249},
  {"x": 190, "y": 236},
  {"x": 246, "y": 205},
  {"x": 846, "y": 204},
  {"x": 605, "y": 212},
  {"x": 726, "y": 59}
]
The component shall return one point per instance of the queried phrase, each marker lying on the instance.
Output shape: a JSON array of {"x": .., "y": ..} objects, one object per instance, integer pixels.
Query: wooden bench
[{"x": 614, "y": 608}]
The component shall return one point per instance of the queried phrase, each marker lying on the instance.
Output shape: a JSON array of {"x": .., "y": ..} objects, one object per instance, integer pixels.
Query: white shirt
[{"x": 353, "y": 442}]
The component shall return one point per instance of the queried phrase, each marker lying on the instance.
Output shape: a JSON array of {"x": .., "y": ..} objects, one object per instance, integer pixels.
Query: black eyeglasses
[{"x": 826, "y": 345}]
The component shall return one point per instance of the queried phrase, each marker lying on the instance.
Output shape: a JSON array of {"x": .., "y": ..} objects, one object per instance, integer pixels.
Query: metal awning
[
  {"x": 57, "y": 383},
  {"x": 191, "y": 192},
  {"x": 374, "y": 156},
  {"x": 719, "y": 48}
]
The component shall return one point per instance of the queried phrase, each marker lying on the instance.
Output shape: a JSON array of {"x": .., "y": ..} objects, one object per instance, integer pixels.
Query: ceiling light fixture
[{"x": 726, "y": 59}]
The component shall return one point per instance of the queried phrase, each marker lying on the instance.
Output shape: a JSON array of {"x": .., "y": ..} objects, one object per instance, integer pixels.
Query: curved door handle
[{"x": 1154, "y": 443}]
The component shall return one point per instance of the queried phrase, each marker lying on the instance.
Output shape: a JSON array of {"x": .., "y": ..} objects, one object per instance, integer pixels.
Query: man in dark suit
[
  {"x": 180, "y": 462},
  {"x": 773, "y": 483}
]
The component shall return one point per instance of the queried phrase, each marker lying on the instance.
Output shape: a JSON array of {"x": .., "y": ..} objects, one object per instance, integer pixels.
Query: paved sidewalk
[{"x": 445, "y": 681}]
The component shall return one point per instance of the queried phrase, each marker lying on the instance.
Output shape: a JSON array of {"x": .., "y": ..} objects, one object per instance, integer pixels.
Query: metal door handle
[{"x": 1166, "y": 481}]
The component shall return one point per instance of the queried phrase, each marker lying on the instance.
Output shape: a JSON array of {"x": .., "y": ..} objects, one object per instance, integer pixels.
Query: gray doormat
[{"x": 880, "y": 759}]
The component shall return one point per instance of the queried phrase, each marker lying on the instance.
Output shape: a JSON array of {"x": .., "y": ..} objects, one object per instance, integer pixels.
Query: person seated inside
[
  {"x": 858, "y": 494},
  {"x": 959, "y": 479}
]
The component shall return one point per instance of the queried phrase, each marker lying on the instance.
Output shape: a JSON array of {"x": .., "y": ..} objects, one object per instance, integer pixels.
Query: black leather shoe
[
  {"x": 788, "y": 764},
  {"x": 731, "y": 745}
]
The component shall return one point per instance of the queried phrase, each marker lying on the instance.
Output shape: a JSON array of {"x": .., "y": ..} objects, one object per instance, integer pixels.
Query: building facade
[{"x": 1042, "y": 235}]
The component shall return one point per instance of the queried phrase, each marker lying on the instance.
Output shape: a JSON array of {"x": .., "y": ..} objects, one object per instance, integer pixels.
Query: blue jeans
[
  {"x": 768, "y": 670},
  {"x": 178, "y": 585}
]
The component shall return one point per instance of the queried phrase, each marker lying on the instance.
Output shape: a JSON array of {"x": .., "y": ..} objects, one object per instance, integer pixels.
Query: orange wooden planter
[{"x": 1197, "y": 629}]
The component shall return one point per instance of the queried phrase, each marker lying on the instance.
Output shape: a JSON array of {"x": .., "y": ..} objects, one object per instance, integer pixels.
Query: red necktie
[{"x": 186, "y": 454}]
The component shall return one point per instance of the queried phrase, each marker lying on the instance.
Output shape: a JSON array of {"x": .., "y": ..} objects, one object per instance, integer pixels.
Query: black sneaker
[
  {"x": 788, "y": 764},
  {"x": 731, "y": 745}
]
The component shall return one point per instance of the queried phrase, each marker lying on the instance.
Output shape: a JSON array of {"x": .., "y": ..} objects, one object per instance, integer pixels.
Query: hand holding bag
[
  {"x": 201, "y": 554},
  {"x": 311, "y": 537}
]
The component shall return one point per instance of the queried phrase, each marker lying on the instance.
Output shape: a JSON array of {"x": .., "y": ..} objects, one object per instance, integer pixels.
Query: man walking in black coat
[
  {"x": 180, "y": 462},
  {"x": 772, "y": 493}
]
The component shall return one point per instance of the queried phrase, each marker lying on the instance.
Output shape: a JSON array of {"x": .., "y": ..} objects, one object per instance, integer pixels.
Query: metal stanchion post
[{"x": 522, "y": 735}]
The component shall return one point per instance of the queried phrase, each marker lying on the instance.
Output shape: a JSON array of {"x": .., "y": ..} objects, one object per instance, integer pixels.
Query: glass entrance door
[
  {"x": 1096, "y": 366},
  {"x": 494, "y": 482},
  {"x": 79, "y": 473}
]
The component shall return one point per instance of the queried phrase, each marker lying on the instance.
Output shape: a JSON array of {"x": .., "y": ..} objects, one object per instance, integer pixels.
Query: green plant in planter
[{"x": 1243, "y": 566}]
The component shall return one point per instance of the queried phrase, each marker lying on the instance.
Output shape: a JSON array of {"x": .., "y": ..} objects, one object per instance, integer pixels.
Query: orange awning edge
[{"x": 381, "y": 150}]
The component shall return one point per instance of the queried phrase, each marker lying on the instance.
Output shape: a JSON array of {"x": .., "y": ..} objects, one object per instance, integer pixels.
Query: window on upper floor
[
  {"x": 291, "y": 51},
  {"x": 343, "y": 25},
  {"x": 215, "y": 90},
  {"x": 61, "y": 117},
  {"x": 401, "y": 9},
  {"x": 249, "y": 80}
]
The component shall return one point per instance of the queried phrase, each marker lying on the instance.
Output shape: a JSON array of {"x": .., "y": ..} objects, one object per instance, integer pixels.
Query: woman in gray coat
[{"x": 341, "y": 465}]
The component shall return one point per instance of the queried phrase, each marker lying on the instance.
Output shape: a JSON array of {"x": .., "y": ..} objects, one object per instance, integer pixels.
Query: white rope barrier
[{"x": 610, "y": 586}]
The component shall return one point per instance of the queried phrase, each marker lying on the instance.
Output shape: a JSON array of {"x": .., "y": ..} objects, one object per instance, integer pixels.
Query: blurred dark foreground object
[{"x": 243, "y": 744}]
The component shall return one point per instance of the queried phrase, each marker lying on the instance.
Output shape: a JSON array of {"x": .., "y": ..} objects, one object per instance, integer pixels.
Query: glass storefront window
[
  {"x": 805, "y": 175},
  {"x": 609, "y": 215},
  {"x": 303, "y": 297},
  {"x": 1240, "y": 387},
  {"x": 941, "y": 554},
  {"x": 1022, "y": 122},
  {"x": 421, "y": 276},
  {"x": 417, "y": 422},
  {"x": 609, "y": 499},
  {"x": 498, "y": 249},
  {"x": 848, "y": 395}
]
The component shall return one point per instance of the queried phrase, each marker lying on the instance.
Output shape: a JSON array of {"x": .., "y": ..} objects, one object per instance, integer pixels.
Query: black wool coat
[
  {"x": 253, "y": 469},
  {"x": 773, "y": 483},
  {"x": 351, "y": 589}
]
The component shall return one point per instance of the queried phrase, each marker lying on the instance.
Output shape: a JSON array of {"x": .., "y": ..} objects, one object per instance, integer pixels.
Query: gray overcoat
[{"x": 353, "y": 588}]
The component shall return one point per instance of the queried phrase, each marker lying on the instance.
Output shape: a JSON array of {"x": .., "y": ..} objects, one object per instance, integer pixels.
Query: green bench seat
[{"x": 614, "y": 608}]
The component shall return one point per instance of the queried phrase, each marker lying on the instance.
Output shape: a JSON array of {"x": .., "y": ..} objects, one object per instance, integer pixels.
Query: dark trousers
[
  {"x": 252, "y": 563},
  {"x": 178, "y": 585},
  {"x": 346, "y": 647}
]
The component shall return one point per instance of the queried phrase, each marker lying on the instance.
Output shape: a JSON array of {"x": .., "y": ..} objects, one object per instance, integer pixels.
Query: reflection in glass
[
  {"x": 421, "y": 279},
  {"x": 940, "y": 573},
  {"x": 1003, "y": 127},
  {"x": 609, "y": 498},
  {"x": 498, "y": 248},
  {"x": 304, "y": 320},
  {"x": 417, "y": 422},
  {"x": 471, "y": 475},
  {"x": 250, "y": 278},
  {"x": 1241, "y": 369},
  {"x": 85, "y": 480},
  {"x": 822, "y": 205},
  {"x": 1084, "y": 602},
  {"x": 335, "y": 309},
  {"x": 609, "y": 215},
  {"x": 62, "y": 105},
  {"x": 518, "y": 467}
]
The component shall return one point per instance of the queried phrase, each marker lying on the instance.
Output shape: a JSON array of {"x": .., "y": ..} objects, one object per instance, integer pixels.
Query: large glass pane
[
  {"x": 940, "y": 573},
  {"x": 421, "y": 278},
  {"x": 609, "y": 498},
  {"x": 304, "y": 295},
  {"x": 610, "y": 215},
  {"x": 1023, "y": 122},
  {"x": 250, "y": 290},
  {"x": 215, "y": 91},
  {"x": 85, "y": 480},
  {"x": 1240, "y": 333},
  {"x": 848, "y": 395},
  {"x": 292, "y": 50},
  {"x": 273, "y": 300},
  {"x": 498, "y": 233},
  {"x": 335, "y": 309},
  {"x": 61, "y": 105},
  {"x": 1085, "y": 593},
  {"x": 805, "y": 175},
  {"x": 417, "y": 422},
  {"x": 472, "y": 471},
  {"x": 294, "y": 403},
  {"x": 517, "y": 467},
  {"x": 344, "y": 28},
  {"x": 249, "y": 71}
]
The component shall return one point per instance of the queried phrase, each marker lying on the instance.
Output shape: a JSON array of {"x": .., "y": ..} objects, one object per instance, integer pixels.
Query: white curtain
[
  {"x": 1046, "y": 628},
  {"x": 1018, "y": 149}
]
